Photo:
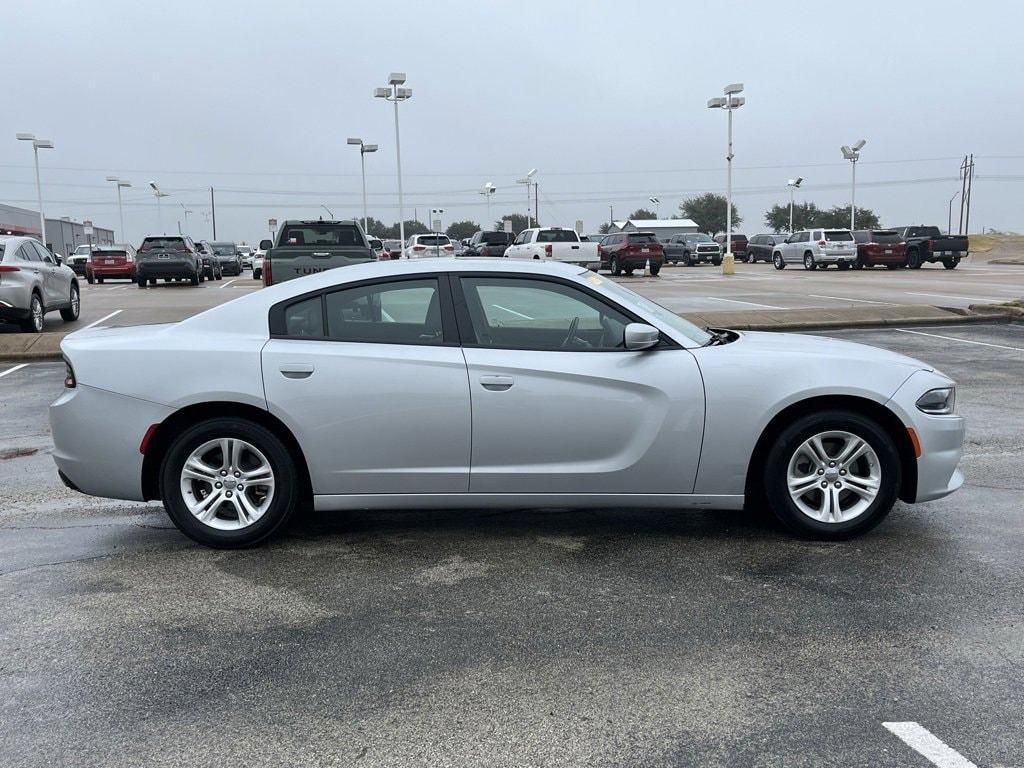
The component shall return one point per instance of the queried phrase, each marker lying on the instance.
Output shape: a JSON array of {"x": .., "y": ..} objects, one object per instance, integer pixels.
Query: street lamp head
[
  {"x": 733, "y": 88},
  {"x": 381, "y": 93},
  {"x": 716, "y": 103},
  {"x": 354, "y": 141},
  {"x": 124, "y": 183},
  {"x": 654, "y": 200},
  {"x": 847, "y": 152},
  {"x": 42, "y": 144},
  {"x": 154, "y": 186},
  {"x": 112, "y": 178},
  {"x": 489, "y": 187},
  {"x": 530, "y": 173},
  {"x": 369, "y": 148},
  {"x": 859, "y": 145},
  {"x": 739, "y": 101},
  {"x": 26, "y": 137},
  {"x": 403, "y": 93},
  {"x": 396, "y": 78}
]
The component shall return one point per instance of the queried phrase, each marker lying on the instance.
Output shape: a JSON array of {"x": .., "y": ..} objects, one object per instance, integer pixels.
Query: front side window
[
  {"x": 402, "y": 312},
  {"x": 523, "y": 313}
]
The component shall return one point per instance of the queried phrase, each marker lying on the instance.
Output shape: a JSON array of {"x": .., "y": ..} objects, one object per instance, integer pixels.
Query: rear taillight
[
  {"x": 600, "y": 250},
  {"x": 929, "y": 245},
  {"x": 419, "y": 247},
  {"x": 70, "y": 382},
  {"x": 823, "y": 242},
  {"x": 449, "y": 248},
  {"x": 268, "y": 274},
  {"x": 547, "y": 249},
  {"x": 9, "y": 268}
]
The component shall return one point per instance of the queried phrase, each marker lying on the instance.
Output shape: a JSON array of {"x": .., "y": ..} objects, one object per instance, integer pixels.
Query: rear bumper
[
  {"x": 835, "y": 258},
  {"x": 14, "y": 302},
  {"x": 121, "y": 270},
  {"x": 165, "y": 269}
]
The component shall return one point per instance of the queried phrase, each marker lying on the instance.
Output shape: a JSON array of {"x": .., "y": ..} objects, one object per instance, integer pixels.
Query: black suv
[
  {"x": 228, "y": 257},
  {"x": 168, "y": 257},
  {"x": 489, "y": 244}
]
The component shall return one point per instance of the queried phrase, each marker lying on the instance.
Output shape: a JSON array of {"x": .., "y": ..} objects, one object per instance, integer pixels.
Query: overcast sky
[{"x": 607, "y": 100}]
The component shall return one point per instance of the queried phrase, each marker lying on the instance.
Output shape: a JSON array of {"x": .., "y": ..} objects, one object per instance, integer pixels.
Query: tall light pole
[
  {"x": 657, "y": 206},
  {"x": 853, "y": 155},
  {"x": 38, "y": 144},
  {"x": 730, "y": 102},
  {"x": 793, "y": 185},
  {"x": 949, "y": 226},
  {"x": 158, "y": 194},
  {"x": 396, "y": 93},
  {"x": 363, "y": 149},
  {"x": 118, "y": 184},
  {"x": 528, "y": 180},
  {"x": 488, "y": 190},
  {"x": 187, "y": 212}
]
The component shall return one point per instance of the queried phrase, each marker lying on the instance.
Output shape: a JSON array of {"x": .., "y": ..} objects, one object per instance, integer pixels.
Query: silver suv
[
  {"x": 816, "y": 248},
  {"x": 34, "y": 282}
]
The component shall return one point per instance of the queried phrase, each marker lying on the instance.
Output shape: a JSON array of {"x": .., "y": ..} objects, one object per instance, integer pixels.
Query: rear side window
[
  {"x": 839, "y": 235},
  {"x": 496, "y": 238},
  {"x": 403, "y": 312},
  {"x": 163, "y": 244},
  {"x": 320, "y": 234},
  {"x": 26, "y": 253},
  {"x": 305, "y": 320},
  {"x": 557, "y": 236}
]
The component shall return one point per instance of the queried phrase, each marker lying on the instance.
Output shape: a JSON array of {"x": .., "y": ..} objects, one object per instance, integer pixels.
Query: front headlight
[{"x": 937, "y": 402}]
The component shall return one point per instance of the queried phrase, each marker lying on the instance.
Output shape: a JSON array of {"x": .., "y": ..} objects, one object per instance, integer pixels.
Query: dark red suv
[
  {"x": 739, "y": 245},
  {"x": 628, "y": 251},
  {"x": 880, "y": 246}
]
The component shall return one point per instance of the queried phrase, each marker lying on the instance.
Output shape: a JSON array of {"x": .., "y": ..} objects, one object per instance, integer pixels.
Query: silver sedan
[{"x": 490, "y": 383}]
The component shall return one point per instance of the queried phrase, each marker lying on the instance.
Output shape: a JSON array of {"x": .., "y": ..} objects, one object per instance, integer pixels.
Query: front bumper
[
  {"x": 96, "y": 438},
  {"x": 941, "y": 437}
]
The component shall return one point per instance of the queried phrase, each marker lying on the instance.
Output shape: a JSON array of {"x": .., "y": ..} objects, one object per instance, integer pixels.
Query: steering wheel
[{"x": 572, "y": 331}]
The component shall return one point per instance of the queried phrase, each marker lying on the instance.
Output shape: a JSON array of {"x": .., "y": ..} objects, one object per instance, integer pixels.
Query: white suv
[
  {"x": 817, "y": 248},
  {"x": 430, "y": 245}
]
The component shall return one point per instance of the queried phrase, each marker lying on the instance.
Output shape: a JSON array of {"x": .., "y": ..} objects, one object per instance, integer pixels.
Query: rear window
[
  {"x": 163, "y": 244},
  {"x": 104, "y": 253},
  {"x": 923, "y": 232},
  {"x": 496, "y": 238},
  {"x": 433, "y": 240},
  {"x": 885, "y": 236},
  {"x": 393, "y": 245},
  {"x": 557, "y": 236},
  {"x": 642, "y": 237},
  {"x": 320, "y": 234},
  {"x": 224, "y": 249},
  {"x": 839, "y": 235}
]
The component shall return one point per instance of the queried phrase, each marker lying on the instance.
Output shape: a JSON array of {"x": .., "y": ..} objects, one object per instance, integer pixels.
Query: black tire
[
  {"x": 71, "y": 313},
  {"x": 141, "y": 282},
  {"x": 629, "y": 273},
  {"x": 34, "y": 322},
  {"x": 892, "y": 266},
  {"x": 843, "y": 265},
  {"x": 90, "y": 279},
  {"x": 776, "y": 468},
  {"x": 716, "y": 262},
  {"x": 777, "y": 261},
  {"x": 282, "y": 506},
  {"x": 99, "y": 280},
  {"x": 951, "y": 263},
  {"x": 257, "y": 274},
  {"x": 614, "y": 267},
  {"x": 194, "y": 279},
  {"x": 687, "y": 259},
  {"x": 655, "y": 269},
  {"x": 913, "y": 260},
  {"x": 809, "y": 264}
]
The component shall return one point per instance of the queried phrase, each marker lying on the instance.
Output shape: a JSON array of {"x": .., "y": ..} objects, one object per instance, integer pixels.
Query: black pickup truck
[
  {"x": 307, "y": 247},
  {"x": 929, "y": 244}
]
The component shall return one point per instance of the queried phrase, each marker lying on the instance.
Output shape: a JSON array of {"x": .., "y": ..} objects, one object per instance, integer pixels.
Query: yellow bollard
[{"x": 728, "y": 264}]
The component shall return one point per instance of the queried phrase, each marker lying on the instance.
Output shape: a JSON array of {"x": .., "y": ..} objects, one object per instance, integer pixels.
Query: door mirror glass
[
  {"x": 266, "y": 245},
  {"x": 641, "y": 336}
]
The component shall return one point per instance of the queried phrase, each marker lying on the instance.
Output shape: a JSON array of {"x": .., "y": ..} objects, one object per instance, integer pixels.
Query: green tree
[
  {"x": 839, "y": 217},
  {"x": 412, "y": 227},
  {"x": 374, "y": 227},
  {"x": 805, "y": 215},
  {"x": 603, "y": 229},
  {"x": 708, "y": 212},
  {"x": 643, "y": 213},
  {"x": 519, "y": 222},
  {"x": 459, "y": 230}
]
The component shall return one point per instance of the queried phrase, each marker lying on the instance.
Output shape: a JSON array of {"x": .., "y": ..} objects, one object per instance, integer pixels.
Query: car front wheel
[
  {"x": 70, "y": 313},
  {"x": 777, "y": 261},
  {"x": 832, "y": 475},
  {"x": 229, "y": 483}
]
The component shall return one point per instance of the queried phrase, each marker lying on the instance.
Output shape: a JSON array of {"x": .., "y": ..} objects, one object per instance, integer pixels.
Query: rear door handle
[
  {"x": 497, "y": 383},
  {"x": 297, "y": 371}
]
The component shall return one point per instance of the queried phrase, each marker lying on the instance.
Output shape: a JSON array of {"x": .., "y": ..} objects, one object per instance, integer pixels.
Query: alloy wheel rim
[
  {"x": 37, "y": 314},
  {"x": 74, "y": 301},
  {"x": 227, "y": 484},
  {"x": 833, "y": 477}
]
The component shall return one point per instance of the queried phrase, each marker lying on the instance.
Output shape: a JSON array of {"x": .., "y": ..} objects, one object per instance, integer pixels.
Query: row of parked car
[{"x": 166, "y": 257}]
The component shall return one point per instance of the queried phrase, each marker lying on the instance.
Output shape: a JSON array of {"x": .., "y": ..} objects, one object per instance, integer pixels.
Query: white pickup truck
[{"x": 553, "y": 244}]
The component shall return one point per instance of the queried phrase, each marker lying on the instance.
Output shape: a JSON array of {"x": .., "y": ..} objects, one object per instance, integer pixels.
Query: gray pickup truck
[{"x": 307, "y": 247}]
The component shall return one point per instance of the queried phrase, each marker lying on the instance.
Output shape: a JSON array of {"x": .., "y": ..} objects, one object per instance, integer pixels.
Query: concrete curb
[
  {"x": 21, "y": 347},
  {"x": 1014, "y": 262}
]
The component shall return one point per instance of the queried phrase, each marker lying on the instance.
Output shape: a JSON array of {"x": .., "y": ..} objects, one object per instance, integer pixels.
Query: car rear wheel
[
  {"x": 832, "y": 475},
  {"x": 229, "y": 483},
  {"x": 914, "y": 260},
  {"x": 843, "y": 265},
  {"x": 257, "y": 274},
  {"x": 613, "y": 266},
  {"x": 34, "y": 322},
  {"x": 194, "y": 279},
  {"x": 655, "y": 269},
  {"x": 809, "y": 262},
  {"x": 951, "y": 263},
  {"x": 70, "y": 313},
  {"x": 90, "y": 279},
  {"x": 777, "y": 261}
]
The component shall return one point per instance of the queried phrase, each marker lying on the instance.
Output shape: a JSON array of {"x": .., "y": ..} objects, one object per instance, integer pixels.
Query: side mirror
[
  {"x": 266, "y": 245},
  {"x": 641, "y": 336},
  {"x": 58, "y": 259}
]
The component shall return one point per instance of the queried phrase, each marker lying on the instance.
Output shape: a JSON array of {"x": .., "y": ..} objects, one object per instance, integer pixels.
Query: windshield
[
  {"x": 162, "y": 244},
  {"x": 245, "y": 249},
  {"x": 699, "y": 239},
  {"x": 698, "y": 336},
  {"x": 82, "y": 250},
  {"x": 557, "y": 236}
]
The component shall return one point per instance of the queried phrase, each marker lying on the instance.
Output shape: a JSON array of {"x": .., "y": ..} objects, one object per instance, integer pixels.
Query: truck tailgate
[
  {"x": 574, "y": 253},
  {"x": 298, "y": 261}
]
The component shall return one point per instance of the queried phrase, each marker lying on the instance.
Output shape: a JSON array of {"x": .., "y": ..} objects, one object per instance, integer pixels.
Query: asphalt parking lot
[
  {"x": 682, "y": 289},
  {"x": 530, "y": 637}
]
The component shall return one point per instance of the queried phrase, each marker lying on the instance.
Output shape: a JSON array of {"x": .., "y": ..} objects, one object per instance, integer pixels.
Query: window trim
[
  {"x": 449, "y": 329},
  {"x": 465, "y": 321}
]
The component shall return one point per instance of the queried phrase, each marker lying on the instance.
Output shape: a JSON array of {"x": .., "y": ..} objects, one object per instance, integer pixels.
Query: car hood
[{"x": 794, "y": 345}]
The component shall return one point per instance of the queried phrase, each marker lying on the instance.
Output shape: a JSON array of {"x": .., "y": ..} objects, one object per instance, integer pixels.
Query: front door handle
[
  {"x": 497, "y": 383},
  {"x": 297, "y": 371}
]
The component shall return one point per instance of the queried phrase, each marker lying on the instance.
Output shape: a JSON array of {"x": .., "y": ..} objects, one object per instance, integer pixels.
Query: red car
[
  {"x": 880, "y": 246},
  {"x": 739, "y": 245},
  {"x": 113, "y": 261},
  {"x": 630, "y": 251}
]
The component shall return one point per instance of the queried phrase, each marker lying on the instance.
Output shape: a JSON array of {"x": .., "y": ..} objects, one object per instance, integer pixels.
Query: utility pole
[
  {"x": 213, "y": 213},
  {"x": 536, "y": 209},
  {"x": 966, "y": 178}
]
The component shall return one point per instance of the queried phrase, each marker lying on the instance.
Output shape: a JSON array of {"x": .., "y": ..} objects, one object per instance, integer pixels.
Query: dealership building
[
  {"x": 663, "y": 228},
  {"x": 62, "y": 235}
]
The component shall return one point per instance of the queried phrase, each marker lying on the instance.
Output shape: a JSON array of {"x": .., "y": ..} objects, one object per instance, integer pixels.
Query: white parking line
[
  {"x": 748, "y": 303},
  {"x": 847, "y": 298},
  {"x": 962, "y": 341},
  {"x": 107, "y": 317},
  {"x": 925, "y": 743},
  {"x": 12, "y": 370},
  {"x": 229, "y": 282},
  {"x": 950, "y": 296}
]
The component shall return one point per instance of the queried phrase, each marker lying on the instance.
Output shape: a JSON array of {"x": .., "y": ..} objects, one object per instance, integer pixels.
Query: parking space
[{"x": 530, "y": 637}]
